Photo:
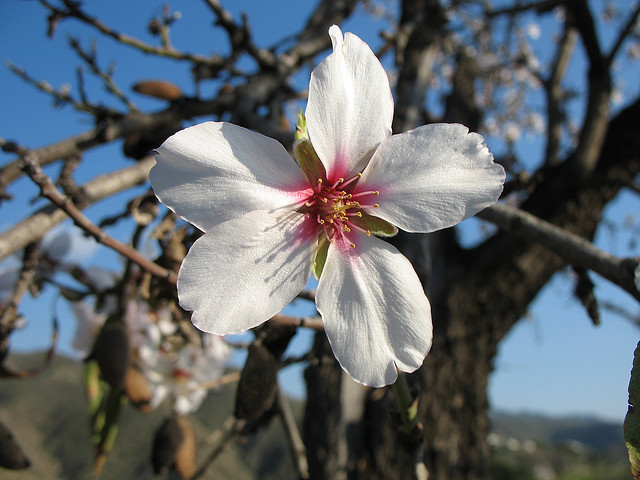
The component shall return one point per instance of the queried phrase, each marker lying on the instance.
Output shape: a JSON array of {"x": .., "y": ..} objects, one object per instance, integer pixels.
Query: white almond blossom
[{"x": 270, "y": 223}]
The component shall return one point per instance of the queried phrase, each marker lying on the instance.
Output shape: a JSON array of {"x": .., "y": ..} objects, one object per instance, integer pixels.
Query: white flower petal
[
  {"x": 432, "y": 177},
  {"x": 375, "y": 312},
  {"x": 216, "y": 171},
  {"x": 244, "y": 271},
  {"x": 350, "y": 106}
]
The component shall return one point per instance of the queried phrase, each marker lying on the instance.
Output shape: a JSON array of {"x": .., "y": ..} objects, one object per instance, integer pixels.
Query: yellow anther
[
  {"x": 324, "y": 200},
  {"x": 375, "y": 205},
  {"x": 376, "y": 192},
  {"x": 352, "y": 245}
]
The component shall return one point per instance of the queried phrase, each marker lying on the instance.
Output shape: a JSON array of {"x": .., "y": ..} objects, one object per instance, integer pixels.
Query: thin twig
[
  {"x": 240, "y": 37},
  {"x": 49, "y": 191},
  {"x": 307, "y": 295},
  {"x": 60, "y": 96},
  {"x": 314, "y": 323},
  {"x": 73, "y": 10},
  {"x": 25, "y": 279},
  {"x": 35, "y": 226},
  {"x": 90, "y": 60},
  {"x": 220, "y": 439},
  {"x": 624, "y": 33},
  {"x": 298, "y": 450}
]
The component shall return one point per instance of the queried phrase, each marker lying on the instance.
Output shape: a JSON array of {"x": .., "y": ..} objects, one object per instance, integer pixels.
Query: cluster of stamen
[{"x": 335, "y": 208}]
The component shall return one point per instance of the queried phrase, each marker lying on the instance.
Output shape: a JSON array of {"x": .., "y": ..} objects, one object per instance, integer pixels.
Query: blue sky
[{"x": 554, "y": 361}]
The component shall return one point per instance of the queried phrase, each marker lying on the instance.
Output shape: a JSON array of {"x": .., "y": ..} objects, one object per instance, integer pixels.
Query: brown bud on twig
[
  {"x": 174, "y": 447},
  {"x": 11, "y": 455},
  {"x": 158, "y": 89},
  {"x": 111, "y": 351},
  {"x": 138, "y": 389},
  {"x": 258, "y": 383}
]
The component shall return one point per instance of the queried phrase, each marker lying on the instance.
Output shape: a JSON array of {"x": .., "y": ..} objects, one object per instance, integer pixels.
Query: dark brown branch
[
  {"x": 594, "y": 127},
  {"x": 540, "y": 6},
  {"x": 555, "y": 93}
]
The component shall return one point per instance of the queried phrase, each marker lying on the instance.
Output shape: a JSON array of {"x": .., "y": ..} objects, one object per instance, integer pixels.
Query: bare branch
[
  {"x": 576, "y": 250},
  {"x": 60, "y": 96},
  {"x": 90, "y": 60},
  {"x": 220, "y": 440},
  {"x": 240, "y": 37},
  {"x": 25, "y": 280},
  {"x": 33, "y": 228},
  {"x": 73, "y": 10},
  {"x": 624, "y": 33},
  {"x": 314, "y": 323},
  {"x": 296, "y": 445},
  {"x": 594, "y": 127},
  {"x": 539, "y": 6},
  {"x": 49, "y": 191},
  {"x": 555, "y": 93}
]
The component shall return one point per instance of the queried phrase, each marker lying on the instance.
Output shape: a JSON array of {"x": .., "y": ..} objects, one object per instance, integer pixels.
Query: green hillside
[{"x": 47, "y": 416}]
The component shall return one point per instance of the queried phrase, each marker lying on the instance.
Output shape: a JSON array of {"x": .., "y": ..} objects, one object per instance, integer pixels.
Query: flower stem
[{"x": 408, "y": 407}]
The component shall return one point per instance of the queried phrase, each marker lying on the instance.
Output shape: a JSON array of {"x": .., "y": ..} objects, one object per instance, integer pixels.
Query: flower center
[{"x": 336, "y": 208}]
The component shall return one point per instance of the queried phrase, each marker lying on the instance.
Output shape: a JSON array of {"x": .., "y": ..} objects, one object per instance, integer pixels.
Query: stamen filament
[
  {"x": 355, "y": 177},
  {"x": 370, "y": 192}
]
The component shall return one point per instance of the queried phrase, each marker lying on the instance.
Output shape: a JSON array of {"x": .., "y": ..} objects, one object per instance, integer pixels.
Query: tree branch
[
  {"x": 576, "y": 250},
  {"x": 555, "y": 93},
  {"x": 49, "y": 191},
  {"x": 73, "y": 10},
  {"x": 34, "y": 227},
  {"x": 298, "y": 450}
]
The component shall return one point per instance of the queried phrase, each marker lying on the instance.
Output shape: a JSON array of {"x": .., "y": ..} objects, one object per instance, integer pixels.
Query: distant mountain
[{"x": 591, "y": 432}]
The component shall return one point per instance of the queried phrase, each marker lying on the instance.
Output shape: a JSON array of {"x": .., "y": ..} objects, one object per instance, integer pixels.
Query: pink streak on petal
[
  {"x": 307, "y": 232},
  {"x": 339, "y": 168}
]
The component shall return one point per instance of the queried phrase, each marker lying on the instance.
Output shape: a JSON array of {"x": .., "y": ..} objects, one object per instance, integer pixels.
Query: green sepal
[
  {"x": 309, "y": 161},
  {"x": 632, "y": 420},
  {"x": 95, "y": 393},
  {"x": 375, "y": 225},
  {"x": 106, "y": 437},
  {"x": 301, "y": 127},
  {"x": 321, "y": 257}
]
